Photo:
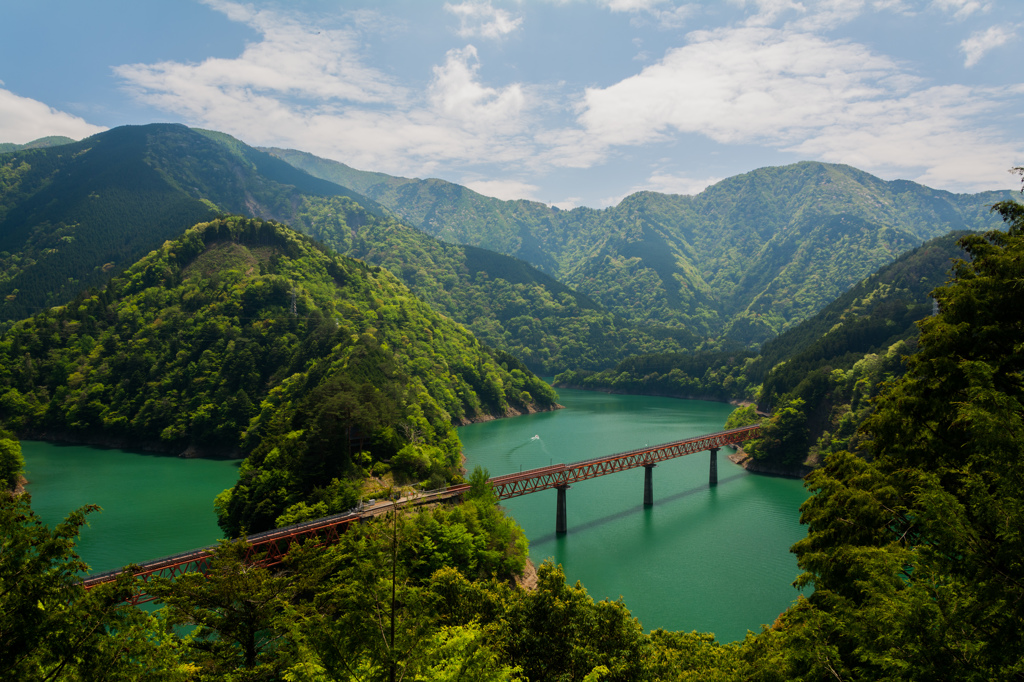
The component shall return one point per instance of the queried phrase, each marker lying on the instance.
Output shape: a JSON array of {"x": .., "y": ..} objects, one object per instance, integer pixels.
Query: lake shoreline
[
  {"x": 142, "y": 447},
  {"x": 193, "y": 451},
  {"x": 743, "y": 459}
]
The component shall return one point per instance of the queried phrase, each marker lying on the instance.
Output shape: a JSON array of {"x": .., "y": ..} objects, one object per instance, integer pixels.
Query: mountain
[
  {"x": 871, "y": 317},
  {"x": 748, "y": 257},
  {"x": 72, "y": 216},
  {"x": 50, "y": 141},
  {"x": 244, "y": 335}
]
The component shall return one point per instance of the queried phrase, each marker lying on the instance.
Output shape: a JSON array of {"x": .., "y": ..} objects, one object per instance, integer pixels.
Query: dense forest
[
  {"x": 243, "y": 336},
  {"x": 817, "y": 378},
  {"x": 333, "y": 356},
  {"x": 48, "y": 141},
  {"x": 745, "y": 259},
  {"x": 913, "y": 553},
  {"x": 74, "y": 216}
]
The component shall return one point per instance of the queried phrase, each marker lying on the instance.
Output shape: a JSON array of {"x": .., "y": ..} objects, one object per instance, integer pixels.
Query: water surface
[
  {"x": 153, "y": 505},
  {"x": 712, "y": 559}
]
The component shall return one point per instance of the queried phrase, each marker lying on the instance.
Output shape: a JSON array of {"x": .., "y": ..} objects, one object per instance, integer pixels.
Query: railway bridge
[{"x": 269, "y": 548}]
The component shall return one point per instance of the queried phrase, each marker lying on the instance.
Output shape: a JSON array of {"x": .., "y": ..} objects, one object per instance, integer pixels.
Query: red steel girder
[
  {"x": 533, "y": 480},
  {"x": 270, "y": 548}
]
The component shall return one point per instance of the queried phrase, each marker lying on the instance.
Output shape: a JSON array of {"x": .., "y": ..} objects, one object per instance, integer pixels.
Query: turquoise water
[
  {"x": 708, "y": 559},
  {"x": 712, "y": 559},
  {"x": 153, "y": 505}
]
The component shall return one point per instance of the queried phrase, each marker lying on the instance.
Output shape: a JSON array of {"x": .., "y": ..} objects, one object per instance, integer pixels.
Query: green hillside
[
  {"x": 911, "y": 563},
  {"x": 749, "y": 257},
  {"x": 49, "y": 141},
  {"x": 72, "y": 216},
  {"x": 818, "y": 376},
  {"x": 245, "y": 336}
]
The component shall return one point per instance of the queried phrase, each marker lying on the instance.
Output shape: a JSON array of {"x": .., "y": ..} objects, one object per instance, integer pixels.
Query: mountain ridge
[
  {"x": 73, "y": 216},
  {"x": 692, "y": 260}
]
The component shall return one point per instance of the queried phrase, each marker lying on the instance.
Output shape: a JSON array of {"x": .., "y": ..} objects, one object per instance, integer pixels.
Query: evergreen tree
[{"x": 917, "y": 557}]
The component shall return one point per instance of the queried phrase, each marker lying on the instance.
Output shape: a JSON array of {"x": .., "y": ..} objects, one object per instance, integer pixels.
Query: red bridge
[{"x": 269, "y": 548}]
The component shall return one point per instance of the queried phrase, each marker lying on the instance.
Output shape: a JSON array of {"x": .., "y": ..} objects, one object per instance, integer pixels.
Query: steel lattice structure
[
  {"x": 265, "y": 549},
  {"x": 270, "y": 548},
  {"x": 559, "y": 475}
]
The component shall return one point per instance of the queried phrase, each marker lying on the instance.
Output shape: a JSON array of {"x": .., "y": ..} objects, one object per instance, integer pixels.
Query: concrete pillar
[
  {"x": 648, "y": 485},
  {"x": 561, "y": 527},
  {"x": 713, "y": 474}
]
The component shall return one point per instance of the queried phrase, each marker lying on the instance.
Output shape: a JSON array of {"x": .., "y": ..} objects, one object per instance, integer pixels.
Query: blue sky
[{"x": 569, "y": 102}]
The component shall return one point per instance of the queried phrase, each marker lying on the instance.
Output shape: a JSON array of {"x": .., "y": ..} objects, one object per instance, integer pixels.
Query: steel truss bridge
[{"x": 269, "y": 548}]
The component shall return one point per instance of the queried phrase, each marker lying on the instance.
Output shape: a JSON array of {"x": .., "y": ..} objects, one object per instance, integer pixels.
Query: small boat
[{"x": 535, "y": 438}]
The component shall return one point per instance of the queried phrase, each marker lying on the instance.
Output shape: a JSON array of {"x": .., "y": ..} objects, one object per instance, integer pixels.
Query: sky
[{"x": 568, "y": 102}]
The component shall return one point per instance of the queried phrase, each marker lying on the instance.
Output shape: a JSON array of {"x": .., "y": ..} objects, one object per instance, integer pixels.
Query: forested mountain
[
  {"x": 49, "y": 141},
  {"x": 243, "y": 335},
  {"x": 913, "y": 554},
  {"x": 748, "y": 257},
  {"x": 72, "y": 216},
  {"x": 819, "y": 376}
]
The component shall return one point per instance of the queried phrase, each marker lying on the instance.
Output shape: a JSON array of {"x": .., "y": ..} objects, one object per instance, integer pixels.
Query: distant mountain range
[
  {"x": 733, "y": 266},
  {"x": 50, "y": 141},
  {"x": 72, "y": 216},
  {"x": 746, "y": 258}
]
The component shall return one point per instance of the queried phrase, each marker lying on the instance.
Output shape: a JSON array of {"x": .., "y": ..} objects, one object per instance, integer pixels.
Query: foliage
[
  {"x": 915, "y": 555},
  {"x": 505, "y": 302},
  {"x": 835, "y": 362},
  {"x": 48, "y": 141},
  {"x": 243, "y": 617},
  {"x": 74, "y": 216},
  {"x": 243, "y": 335},
  {"x": 784, "y": 437},
  {"x": 744, "y": 415},
  {"x": 749, "y": 257},
  {"x": 51, "y": 628},
  {"x": 12, "y": 464},
  {"x": 708, "y": 375}
]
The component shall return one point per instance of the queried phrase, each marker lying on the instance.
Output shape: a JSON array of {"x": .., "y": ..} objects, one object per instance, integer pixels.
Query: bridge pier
[
  {"x": 648, "y": 485},
  {"x": 713, "y": 473},
  {"x": 561, "y": 526}
]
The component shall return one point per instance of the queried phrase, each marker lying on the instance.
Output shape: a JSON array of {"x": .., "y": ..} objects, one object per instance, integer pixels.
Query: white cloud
[
  {"x": 23, "y": 120},
  {"x": 795, "y": 91},
  {"x": 962, "y": 9},
  {"x": 677, "y": 17},
  {"x": 736, "y": 86},
  {"x": 769, "y": 11},
  {"x": 631, "y": 5},
  {"x": 292, "y": 59},
  {"x": 676, "y": 184},
  {"x": 790, "y": 89},
  {"x": 503, "y": 189},
  {"x": 568, "y": 203},
  {"x": 481, "y": 19},
  {"x": 981, "y": 42},
  {"x": 308, "y": 87},
  {"x": 457, "y": 93},
  {"x": 926, "y": 136}
]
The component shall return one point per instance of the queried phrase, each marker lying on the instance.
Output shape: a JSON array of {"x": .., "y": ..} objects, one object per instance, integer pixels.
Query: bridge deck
[
  {"x": 270, "y": 547},
  {"x": 559, "y": 475}
]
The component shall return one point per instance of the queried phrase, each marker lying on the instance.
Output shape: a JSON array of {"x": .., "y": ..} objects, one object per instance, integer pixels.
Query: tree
[
  {"x": 244, "y": 617},
  {"x": 917, "y": 557},
  {"x": 51, "y": 628},
  {"x": 558, "y": 632},
  {"x": 12, "y": 464},
  {"x": 784, "y": 437}
]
